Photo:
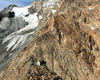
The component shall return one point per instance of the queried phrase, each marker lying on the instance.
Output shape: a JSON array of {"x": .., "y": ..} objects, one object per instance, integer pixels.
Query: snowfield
[{"x": 17, "y": 39}]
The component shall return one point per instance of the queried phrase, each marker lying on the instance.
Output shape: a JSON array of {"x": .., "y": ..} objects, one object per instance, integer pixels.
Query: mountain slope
[{"x": 68, "y": 40}]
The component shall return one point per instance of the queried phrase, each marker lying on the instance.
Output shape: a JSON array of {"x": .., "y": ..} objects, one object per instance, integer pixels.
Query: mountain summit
[{"x": 50, "y": 40}]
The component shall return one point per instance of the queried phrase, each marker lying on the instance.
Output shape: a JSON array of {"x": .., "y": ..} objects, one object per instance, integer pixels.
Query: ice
[
  {"x": 20, "y": 41},
  {"x": 12, "y": 42}
]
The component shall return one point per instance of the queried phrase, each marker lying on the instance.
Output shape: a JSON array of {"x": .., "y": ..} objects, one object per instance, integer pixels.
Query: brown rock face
[
  {"x": 69, "y": 49},
  {"x": 67, "y": 44}
]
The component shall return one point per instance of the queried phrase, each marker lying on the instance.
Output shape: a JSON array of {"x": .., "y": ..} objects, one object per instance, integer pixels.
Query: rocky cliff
[{"x": 68, "y": 40}]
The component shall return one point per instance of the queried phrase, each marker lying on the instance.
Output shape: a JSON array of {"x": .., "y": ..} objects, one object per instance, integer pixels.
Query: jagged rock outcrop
[
  {"x": 6, "y": 12},
  {"x": 68, "y": 40}
]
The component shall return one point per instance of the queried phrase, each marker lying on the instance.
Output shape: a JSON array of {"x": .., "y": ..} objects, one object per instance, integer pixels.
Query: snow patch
[
  {"x": 40, "y": 17},
  {"x": 21, "y": 11},
  {"x": 20, "y": 41},
  {"x": 32, "y": 19},
  {"x": 12, "y": 42},
  {"x": 91, "y": 8},
  {"x": 92, "y": 28},
  {"x": 54, "y": 11},
  {"x": 15, "y": 41},
  {"x": 50, "y": 3}
]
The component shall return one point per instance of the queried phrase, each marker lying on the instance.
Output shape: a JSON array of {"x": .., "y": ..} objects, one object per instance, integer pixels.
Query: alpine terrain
[{"x": 50, "y": 40}]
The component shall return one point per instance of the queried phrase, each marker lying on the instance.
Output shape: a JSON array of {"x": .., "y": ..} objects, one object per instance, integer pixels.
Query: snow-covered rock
[
  {"x": 54, "y": 11},
  {"x": 50, "y": 3}
]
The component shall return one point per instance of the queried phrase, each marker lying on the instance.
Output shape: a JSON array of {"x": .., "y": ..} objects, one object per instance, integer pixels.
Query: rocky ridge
[{"x": 68, "y": 41}]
